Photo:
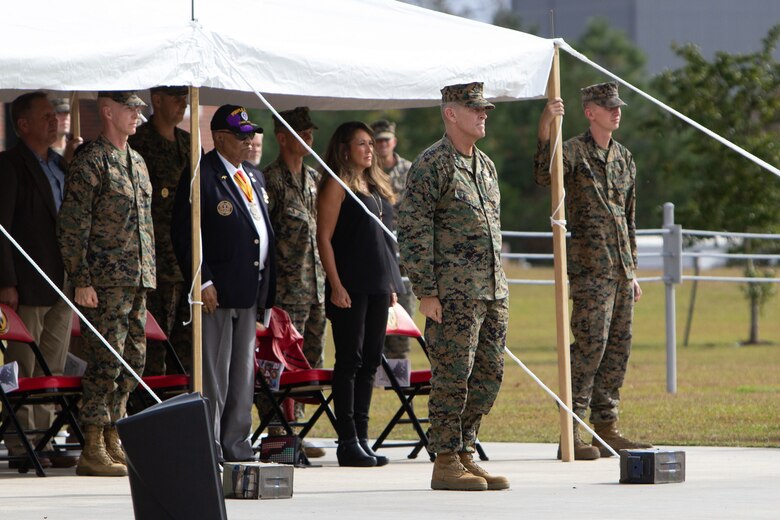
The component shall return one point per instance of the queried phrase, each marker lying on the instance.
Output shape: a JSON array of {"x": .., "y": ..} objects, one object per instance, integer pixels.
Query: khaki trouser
[{"x": 50, "y": 327}]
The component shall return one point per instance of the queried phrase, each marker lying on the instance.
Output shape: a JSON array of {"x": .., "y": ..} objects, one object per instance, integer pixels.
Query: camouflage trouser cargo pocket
[{"x": 467, "y": 363}]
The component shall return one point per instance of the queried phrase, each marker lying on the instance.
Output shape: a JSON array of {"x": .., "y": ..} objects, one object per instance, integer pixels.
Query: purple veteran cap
[{"x": 235, "y": 119}]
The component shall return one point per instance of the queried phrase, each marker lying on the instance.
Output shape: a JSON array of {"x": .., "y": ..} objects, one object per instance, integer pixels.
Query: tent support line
[
  {"x": 309, "y": 149},
  {"x": 565, "y": 410},
  {"x": 78, "y": 312},
  {"x": 760, "y": 162}
]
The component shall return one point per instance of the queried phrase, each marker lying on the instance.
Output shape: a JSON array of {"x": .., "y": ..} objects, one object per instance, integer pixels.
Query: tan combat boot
[
  {"x": 609, "y": 432},
  {"x": 113, "y": 446},
  {"x": 312, "y": 451},
  {"x": 582, "y": 450},
  {"x": 493, "y": 481},
  {"x": 94, "y": 460},
  {"x": 449, "y": 473}
]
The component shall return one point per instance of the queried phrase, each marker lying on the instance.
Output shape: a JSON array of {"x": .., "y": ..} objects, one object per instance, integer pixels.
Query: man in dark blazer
[
  {"x": 32, "y": 178},
  {"x": 238, "y": 273}
]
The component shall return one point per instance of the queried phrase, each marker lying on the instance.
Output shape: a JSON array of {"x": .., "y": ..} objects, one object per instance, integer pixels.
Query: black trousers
[{"x": 359, "y": 335}]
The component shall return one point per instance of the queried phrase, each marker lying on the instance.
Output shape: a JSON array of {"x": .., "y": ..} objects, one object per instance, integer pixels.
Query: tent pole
[
  {"x": 561, "y": 281},
  {"x": 197, "y": 358},
  {"x": 75, "y": 115}
]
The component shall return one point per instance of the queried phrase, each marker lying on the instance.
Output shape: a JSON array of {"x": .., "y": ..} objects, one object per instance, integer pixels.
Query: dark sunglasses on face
[{"x": 241, "y": 136}]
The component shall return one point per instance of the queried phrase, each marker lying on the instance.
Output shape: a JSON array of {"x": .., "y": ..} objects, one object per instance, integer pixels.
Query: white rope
[
  {"x": 558, "y": 400},
  {"x": 195, "y": 177},
  {"x": 75, "y": 309},
  {"x": 565, "y": 46},
  {"x": 561, "y": 223}
]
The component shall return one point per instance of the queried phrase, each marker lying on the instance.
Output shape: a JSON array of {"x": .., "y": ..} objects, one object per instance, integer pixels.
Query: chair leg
[
  {"x": 481, "y": 451},
  {"x": 379, "y": 442},
  {"x": 324, "y": 407},
  {"x": 31, "y": 455}
]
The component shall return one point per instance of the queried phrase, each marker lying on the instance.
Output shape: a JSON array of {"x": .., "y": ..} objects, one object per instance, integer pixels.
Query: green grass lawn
[{"x": 728, "y": 395}]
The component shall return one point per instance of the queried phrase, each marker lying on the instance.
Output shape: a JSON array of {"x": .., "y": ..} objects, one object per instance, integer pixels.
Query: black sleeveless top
[{"x": 365, "y": 255}]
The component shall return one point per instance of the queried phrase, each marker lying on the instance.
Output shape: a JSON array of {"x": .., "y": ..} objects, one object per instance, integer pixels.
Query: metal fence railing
[{"x": 672, "y": 255}]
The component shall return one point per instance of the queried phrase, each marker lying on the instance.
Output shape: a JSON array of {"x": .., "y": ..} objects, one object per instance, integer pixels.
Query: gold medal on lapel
[{"x": 225, "y": 208}]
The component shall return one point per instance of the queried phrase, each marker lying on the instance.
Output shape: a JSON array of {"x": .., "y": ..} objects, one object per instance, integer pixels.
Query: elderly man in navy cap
[
  {"x": 600, "y": 181},
  {"x": 238, "y": 273}
]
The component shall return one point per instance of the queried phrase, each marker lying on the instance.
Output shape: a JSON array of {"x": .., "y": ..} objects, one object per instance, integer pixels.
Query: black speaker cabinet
[{"x": 171, "y": 461}]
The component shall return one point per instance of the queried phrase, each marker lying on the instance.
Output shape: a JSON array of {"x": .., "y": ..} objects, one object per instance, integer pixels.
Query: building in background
[{"x": 653, "y": 25}]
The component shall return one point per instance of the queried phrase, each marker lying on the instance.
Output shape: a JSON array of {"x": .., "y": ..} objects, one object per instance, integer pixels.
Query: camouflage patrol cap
[
  {"x": 383, "y": 129},
  {"x": 466, "y": 94},
  {"x": 175, "y": 90},
  {"x": 125, "y": 97},
  {"x": 61, "y": 105},
  {"x": 298, "y": 118},
  {"x": 602, "y": 94}
]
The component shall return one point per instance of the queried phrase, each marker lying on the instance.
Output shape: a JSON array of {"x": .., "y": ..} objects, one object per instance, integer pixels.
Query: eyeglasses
[{"x": 241, "y": 136}]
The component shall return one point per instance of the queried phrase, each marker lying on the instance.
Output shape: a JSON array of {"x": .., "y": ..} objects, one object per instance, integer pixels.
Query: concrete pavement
[{"x": 721, "y": 483}]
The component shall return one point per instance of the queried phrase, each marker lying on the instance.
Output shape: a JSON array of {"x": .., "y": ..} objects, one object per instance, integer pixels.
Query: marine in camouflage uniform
[
  {"x": 106, "y": 238},
  {"x": 396, "y": 347},
  {"x": 449, "y": 234},
  {"x": 166, "y": 160},
  {"x": 107, "y": 241},
  {"x": 600, "y": 206},
  {"x": 292, "y": 206}
]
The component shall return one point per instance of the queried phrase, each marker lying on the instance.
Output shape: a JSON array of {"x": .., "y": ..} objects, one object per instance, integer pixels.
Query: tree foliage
[{"x": 738, "y": 97}]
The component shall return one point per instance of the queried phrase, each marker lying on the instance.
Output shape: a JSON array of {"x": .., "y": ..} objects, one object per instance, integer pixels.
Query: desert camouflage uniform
[
  {"x": 166, "y": 161},
  {"x": 300, "y": 278},
  {"x": 600, "y": 209},
  {"x": 107, "y": 242},
  {"x": 449, "y": 233},
  {"x": 397, "y": 347}
]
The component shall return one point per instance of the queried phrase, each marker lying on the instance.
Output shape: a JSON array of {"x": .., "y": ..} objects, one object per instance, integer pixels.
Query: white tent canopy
[{"x": 334, "y": 54}]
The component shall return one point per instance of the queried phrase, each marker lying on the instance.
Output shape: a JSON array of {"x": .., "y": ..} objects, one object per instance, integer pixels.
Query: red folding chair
[
  {"x": 165, "y": 386},
  {"x": 399, "y": 323},
  {"x": 282, "y": 343},
  {"x": 63, "y": 391}
]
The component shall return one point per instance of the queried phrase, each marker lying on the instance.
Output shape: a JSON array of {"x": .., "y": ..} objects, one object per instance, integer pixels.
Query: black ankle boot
[
  {"x": 381, "y": 460},
  {"x": 349, "y": 453}
]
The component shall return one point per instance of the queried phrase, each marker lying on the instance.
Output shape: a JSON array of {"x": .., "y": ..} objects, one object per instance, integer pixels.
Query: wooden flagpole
[
  {"x": 561, "y": 280},
  {"x": 75, "y": 115},
  {"x": 197, "y": 339}
]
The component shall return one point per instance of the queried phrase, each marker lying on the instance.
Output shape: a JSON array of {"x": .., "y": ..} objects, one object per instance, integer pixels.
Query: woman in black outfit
[{"x": 362, "y": 280}]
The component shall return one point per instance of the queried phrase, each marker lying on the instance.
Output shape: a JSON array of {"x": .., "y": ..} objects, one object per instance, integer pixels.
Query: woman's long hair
[{"x": 337, "y": 158}]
